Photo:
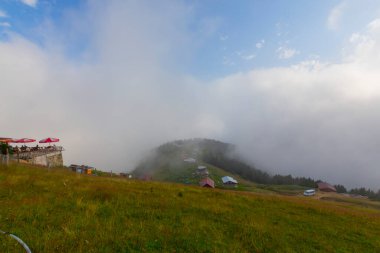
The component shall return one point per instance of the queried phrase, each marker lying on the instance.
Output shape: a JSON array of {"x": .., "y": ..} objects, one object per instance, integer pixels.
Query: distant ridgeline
[{"x": 224, "y": 156}]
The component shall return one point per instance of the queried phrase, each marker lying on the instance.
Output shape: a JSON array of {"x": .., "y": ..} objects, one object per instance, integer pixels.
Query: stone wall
[{"x": 53, "y": 159}]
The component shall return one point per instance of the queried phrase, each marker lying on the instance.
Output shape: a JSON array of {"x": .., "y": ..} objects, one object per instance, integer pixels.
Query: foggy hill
[{"x": 166, "y": 163}]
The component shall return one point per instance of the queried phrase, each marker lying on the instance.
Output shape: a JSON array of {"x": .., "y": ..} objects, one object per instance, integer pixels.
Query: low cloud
[
  {"x": 311, "y": 119},
  {"x": 127, "y": 92},
  {"x": 122, "y": 96}
]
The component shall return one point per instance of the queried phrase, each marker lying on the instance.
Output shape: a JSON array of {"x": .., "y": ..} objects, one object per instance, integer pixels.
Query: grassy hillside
[
  {"x": 166, "y": 163},
  {"x": 185, "y": 173},
  {"x": 59, "y": 211}
]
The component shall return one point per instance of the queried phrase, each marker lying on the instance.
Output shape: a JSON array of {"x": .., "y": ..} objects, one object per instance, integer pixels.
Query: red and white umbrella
[
  {"x": 24, "y": 140},
  {"x": 49, "y": 140}
]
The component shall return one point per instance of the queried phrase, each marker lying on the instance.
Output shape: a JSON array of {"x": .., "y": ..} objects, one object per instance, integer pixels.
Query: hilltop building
[
  {"x": 229, "y": 181},
  {"x": 202, "y": 170},
  {"x": 325, "y": 187},
  {"x": 81, "y": 169},
  {"x": 207, "y": 182},
  {"x": 190, "y": 160}
]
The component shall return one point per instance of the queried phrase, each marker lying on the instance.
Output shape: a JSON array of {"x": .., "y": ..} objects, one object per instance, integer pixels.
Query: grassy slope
[
  {"x": 167, "y": 165},
  {"x": 184, "y": 173},
  {"x": 60, "y": 211}
]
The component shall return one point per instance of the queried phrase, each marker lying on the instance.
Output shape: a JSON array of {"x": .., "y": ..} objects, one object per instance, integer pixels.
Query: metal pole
[{"x": 23, "y": 244}]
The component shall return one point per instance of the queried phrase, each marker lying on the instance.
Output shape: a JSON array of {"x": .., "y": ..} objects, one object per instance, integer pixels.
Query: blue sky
[
  {"x": 233, "y": 35},
  {"x": 294, "y": 84}
]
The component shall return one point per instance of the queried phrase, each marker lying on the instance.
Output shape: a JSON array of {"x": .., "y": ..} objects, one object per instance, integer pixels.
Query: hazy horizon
[{"x": 294, "y": 85}]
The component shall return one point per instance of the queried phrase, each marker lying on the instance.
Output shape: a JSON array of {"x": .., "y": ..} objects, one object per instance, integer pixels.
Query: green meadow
[{"x": 57, "y": 210}]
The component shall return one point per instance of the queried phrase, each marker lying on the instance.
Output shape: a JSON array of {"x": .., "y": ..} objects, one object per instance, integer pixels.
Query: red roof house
[
  {"x": 325, "y": 187},
  {"x": 207, "y": 182}
]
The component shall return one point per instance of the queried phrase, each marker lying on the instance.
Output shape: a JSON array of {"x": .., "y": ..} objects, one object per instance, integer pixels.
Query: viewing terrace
[{"x": 50, "y": 155}]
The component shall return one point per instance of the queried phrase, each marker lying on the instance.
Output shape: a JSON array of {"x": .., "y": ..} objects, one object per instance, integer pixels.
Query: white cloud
[
  {"x": 284, "y": 52},
  {"x": 227, "y": 61},
  {"x": 134, "y": 97},
  {"x": 245, "y": 56},
  {"x": 3, "y": 14},
  {"x": 281, "y": 29},
  {"x": 335, "y": 16},
  {"x": 5, "y": 24},
  {"x": 248, "y": 57},
  {"x": 364, "y": 45},
  {"x": 374, "y": 26},
  {"x": 310, "y": 119},
  {"x": 31, "y": 3},
  {"x": 209, "y": 26},
  {"x": 223, "y": 37},
  {"x": 260, "y": 44}
]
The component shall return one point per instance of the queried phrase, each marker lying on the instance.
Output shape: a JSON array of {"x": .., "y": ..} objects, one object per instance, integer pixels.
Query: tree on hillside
[
  {"x": 340, "y": 188},
  {"x": 363, "y": 192}
]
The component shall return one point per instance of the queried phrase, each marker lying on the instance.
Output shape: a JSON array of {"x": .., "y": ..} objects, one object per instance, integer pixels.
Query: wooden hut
[
  {"x": 325, "y": 187},
  {"x": 202, "y": 170},
  {"x": 229, "y": 181},
  {"x": 82, "y": 169},
  {"x": 207, "y": 182}
]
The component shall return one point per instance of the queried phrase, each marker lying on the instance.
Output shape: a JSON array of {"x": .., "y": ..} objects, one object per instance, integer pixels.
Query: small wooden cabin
[
  {"x": 82, "y": 169},
  {"x": 325, "y": 187},
  {"x": 207, "y": 182},
  {"x": 202, "y": 170},
  {"x": 229, "y": 181}
]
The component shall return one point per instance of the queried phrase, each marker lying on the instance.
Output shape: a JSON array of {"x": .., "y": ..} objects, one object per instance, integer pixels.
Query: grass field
[{"x": 59, "y": 211}]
